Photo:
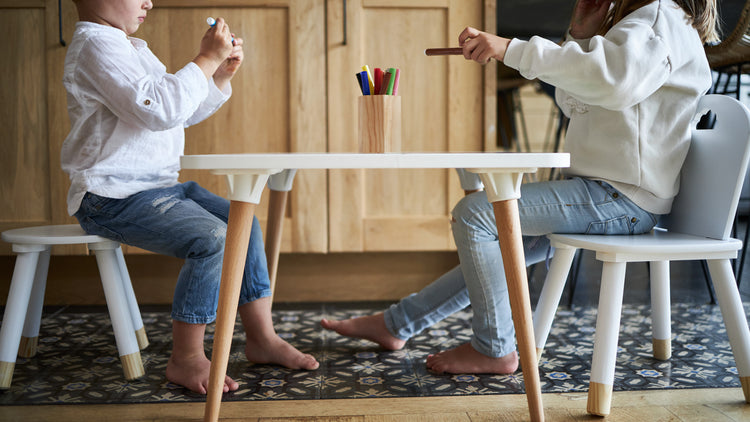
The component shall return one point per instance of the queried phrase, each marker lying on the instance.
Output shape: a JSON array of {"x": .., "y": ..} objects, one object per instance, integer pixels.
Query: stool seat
[
  {"x": 64, "y": 234},
  {"x": 19, "y": 334}
]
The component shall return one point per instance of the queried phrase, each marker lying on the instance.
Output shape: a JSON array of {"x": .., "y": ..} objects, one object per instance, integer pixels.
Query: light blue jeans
[
  {"x": 567, "y": 206},
  {"x": 184, "y": 221}
]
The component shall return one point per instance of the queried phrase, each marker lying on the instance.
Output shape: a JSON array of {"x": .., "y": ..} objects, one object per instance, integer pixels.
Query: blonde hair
[{"x": 703, "y": 13}]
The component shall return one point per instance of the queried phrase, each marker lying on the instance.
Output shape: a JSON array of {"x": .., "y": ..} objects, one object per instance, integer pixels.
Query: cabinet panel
[
  {"x": 24, "y": 173},
  {"x": 277, "y": 103},
  {"x": 442, "y": 101}
]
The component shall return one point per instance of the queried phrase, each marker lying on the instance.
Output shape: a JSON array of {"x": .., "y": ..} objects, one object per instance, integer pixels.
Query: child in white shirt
[{"x": 122, "y": 154}]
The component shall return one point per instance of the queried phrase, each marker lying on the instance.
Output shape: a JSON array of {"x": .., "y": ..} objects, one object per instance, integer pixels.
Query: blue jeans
[
  {"x": 567, "y": 206},
  {"x": 187, "y": 222}
]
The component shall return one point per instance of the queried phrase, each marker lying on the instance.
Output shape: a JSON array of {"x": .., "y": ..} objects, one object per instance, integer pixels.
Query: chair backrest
[{"x": 714, "y": 170}]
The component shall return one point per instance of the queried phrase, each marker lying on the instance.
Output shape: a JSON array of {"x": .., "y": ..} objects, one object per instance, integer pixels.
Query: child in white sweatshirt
[{"x": 629, "y": 76}]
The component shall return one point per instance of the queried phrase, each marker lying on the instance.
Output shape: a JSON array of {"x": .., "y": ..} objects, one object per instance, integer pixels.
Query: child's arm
[{"x": 216, "y": 46}]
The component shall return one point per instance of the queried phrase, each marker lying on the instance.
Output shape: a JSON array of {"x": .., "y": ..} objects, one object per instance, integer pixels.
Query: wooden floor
[{"x": 711, "y": 405}]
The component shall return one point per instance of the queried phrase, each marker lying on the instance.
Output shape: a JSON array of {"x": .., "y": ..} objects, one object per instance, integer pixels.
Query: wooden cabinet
[
  {"x": 295, "y": 92},
  {"x": 278, "y": 99},
  {"x": 442, "y": 102},
  {"x": 33, "y": 116}
]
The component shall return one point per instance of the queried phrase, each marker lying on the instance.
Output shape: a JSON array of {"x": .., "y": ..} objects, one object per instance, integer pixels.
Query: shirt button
[
  {"x": 633, "y": 220},
  {"x": 147, "y": 102},
  {"x": 615, "y": 195}
]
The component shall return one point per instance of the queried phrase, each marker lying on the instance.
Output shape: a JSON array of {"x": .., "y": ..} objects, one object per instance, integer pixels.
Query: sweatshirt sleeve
[
  {"x": 215, "y": 99},
  {"x": 614, "y": 71},
  {"x": 141, "y": 94}
]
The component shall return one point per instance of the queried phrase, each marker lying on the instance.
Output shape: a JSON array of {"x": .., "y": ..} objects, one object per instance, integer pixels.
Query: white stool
[{"x": 23, "y": 311}]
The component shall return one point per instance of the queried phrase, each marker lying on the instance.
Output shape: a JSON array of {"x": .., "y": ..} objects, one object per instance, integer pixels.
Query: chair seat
[
  {"x": 658, "y": 245},
  {"x": 65, "y": 234}
]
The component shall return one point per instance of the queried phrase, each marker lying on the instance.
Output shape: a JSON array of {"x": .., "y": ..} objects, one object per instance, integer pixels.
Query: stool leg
[
  {"x": 135, "y": 313},
  {"x": 122, "y": 324},
  {"x": 660, "y": 306},
  {"x": 15, "y": 313},
  {"x": 30, "y": 335},
  {"x": 549, "y": 299},
  {"x": 606, "y": 336},
  {"x": 735, "y": 320}
]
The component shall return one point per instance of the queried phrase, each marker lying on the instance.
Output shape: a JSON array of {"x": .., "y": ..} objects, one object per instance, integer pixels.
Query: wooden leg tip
[
  {"x": 6, "y": 374},
  {"x": 142, "y": 338},
  {"x": 745, "y": 381},
  {"x": 600, "y": 399},
  {"x": 28, "y": 347},
  {"x": 662, "y": 349},
  {"x": 132, "y": 366}
]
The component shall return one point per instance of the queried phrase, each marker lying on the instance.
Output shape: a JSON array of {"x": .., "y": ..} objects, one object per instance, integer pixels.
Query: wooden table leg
[
  {"x": 235, "y": 252},
  {"x": 511, "y": 246},
  {"x": 276, "y": 208}
]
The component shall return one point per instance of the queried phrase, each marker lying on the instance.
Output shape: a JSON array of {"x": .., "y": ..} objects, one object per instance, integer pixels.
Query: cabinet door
[
  {"x": 443, "y": 109},
  {"x": 278, "y": 95},
  {"x": 33, "y": 115}
]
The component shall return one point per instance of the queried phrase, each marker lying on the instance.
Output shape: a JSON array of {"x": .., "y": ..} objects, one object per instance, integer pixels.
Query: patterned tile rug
[{"x": 77, "y": 360}]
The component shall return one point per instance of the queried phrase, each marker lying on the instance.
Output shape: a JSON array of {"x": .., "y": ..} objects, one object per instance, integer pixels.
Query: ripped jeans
[
  {"x": 184, "y": 221},
  {"x": 567, "y": 206}
]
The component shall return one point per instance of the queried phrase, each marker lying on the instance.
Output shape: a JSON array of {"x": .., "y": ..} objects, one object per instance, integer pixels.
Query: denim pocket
[
  {"x": 618, "y": 225},
  {"x": 94, "y": 203}
]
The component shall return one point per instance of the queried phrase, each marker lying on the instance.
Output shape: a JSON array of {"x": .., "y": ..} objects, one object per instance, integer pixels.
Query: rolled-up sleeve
[
  {"x": 157, "y": 101},
  {"x": 614, "y": 72}
]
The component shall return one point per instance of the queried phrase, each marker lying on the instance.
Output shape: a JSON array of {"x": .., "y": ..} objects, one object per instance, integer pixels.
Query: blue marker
[{"x": 212, "y": 22}]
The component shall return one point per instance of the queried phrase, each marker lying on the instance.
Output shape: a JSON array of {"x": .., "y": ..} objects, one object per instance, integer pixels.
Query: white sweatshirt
[{"x": 630, "y": 96}]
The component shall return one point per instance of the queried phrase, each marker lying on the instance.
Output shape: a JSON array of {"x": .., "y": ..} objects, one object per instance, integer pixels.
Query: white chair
[
  {"x": 698, "y": 228},
  {"x": 23, "y": 311}
]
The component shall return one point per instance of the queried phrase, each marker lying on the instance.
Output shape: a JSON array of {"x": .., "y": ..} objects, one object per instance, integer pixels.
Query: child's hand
[
  {"x": 482, "y": 46},
  {"x": 588, "y": 17},
  {"x": 216, "y": 46},
  {"x": 229, "y": 67}
]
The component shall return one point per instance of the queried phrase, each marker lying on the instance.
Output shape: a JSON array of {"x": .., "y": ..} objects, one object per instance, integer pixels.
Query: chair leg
[
  {"x": 15, "y": 309},
  {"x": 605, "y": 342},
  {"x": 135, "y": 312},
  {"x": 30, "y": 334},
  {"x": 660, "y": 310},
  {"x": 734, "y": 318},
  {"x": 119, "y": 313},
  {"x": 549, "y": 298}
]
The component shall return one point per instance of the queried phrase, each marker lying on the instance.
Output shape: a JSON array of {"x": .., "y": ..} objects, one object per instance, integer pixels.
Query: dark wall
[
  {"x": 525, "y": 18},
  {"x": 550, "y": 18}
]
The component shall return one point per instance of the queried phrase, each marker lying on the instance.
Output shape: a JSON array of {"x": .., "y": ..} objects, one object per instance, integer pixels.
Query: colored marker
[
  {"x": 444, "y": 51},
  {"x": 378, "y": 79},
  {"x": 391, "y": 81},
  {"x": 370, "y": 81},
  {"x": 365, "y": 85},
  {"x": 359, "y": 81},
  {"x": 395, "y": 83},
  {"x": 384, "y": 86}
]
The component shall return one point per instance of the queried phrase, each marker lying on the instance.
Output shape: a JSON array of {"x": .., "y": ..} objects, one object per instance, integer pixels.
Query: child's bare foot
[
  {"x": 277, "y": 351},
  {"x": 368, "y": 327},
  {"x": 465, "y": 360},
  {"x": 193, "y": 373}
]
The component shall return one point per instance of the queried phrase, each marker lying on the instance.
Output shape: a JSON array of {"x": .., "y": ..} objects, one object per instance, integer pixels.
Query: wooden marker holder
[{"x": 379, "y": 123}]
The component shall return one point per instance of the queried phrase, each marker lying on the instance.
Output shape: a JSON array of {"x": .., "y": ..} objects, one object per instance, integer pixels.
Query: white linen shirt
[
  {"x": 127, "y": 114},
  {"x": 630, "y": 95}
]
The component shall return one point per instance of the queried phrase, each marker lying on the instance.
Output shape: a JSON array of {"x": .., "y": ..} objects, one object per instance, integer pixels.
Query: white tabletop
[{"x": 504, "y": 160}]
